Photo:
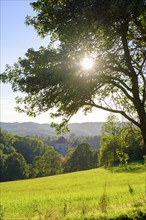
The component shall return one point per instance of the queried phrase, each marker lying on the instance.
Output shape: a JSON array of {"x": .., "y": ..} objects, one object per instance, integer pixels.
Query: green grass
[{"x": 93, "y": 194}]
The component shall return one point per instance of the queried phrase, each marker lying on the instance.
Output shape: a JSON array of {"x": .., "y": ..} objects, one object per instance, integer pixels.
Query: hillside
[
  {"x": 35, "y": 129},
  {"x": 117, "y": 193}
]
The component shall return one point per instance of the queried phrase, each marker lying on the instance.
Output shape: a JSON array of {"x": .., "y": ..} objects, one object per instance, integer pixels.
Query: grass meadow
[{"x": 115, "y": 193}]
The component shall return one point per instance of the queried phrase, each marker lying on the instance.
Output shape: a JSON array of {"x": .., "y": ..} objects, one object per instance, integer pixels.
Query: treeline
[
  {"x": 19, "y": 156},
  {"x": 25, "y": 157}
]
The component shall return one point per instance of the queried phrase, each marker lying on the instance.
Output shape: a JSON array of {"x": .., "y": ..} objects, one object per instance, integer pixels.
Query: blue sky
[{"x": 16, "y": 38}]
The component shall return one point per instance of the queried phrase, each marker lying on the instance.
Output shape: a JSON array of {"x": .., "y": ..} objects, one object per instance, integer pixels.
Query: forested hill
[{"x": 33, "y": 129}]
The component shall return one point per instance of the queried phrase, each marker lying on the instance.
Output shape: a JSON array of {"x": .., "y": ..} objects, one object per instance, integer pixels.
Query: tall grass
[
  {"x": 145, "y": 171},
  {"x": 91, "y": 194}
]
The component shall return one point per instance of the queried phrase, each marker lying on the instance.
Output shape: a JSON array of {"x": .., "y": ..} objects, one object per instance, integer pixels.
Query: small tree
[
  {"x": 83, "y": 158},
  {"x": 132, "y": 143},
  {"x": 47, "y": 164},
  {"x": 120, "y": 142},
  {"x": 15, "y": 167},
  {"x": 110, "y": 142}
]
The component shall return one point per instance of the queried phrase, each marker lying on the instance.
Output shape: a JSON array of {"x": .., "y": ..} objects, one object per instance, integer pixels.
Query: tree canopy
[
  {"x": 120, "y": 142},
  {"x": 112, "y": 33},
  {"x": 83, "y": 158}
]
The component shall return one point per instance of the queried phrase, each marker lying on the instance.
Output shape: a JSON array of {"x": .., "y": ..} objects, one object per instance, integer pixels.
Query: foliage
[
  {"x": 120, "y": 143},
  {"x": 6, "y": 142},
  {"x": 122, "y": 157},
  {"x": 23, "y": 157},
  {"x": 29, "y": 148},
  {"x": 47, "y": 164},
  {"x": 132, "y": 143},
  {"x": 15, "y": 167},
  {"x": 110, "y": 142},
  {"x": 110, "y": 32},
  {"x": 83, "y": 158}
]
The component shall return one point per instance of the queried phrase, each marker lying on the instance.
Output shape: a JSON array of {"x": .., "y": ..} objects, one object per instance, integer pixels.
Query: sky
[{"x": 15, "y": 40}]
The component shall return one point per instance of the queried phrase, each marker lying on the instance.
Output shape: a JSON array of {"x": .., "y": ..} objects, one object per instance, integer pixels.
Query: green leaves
[
  {"x": 112, "y": 32},
  {"x": 82, "y": 158}
]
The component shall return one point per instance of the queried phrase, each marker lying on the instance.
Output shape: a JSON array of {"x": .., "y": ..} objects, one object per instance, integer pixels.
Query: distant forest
[
  {"x": 23, "y": 157},
  {"x": 45, "y": 130},
  {"x": 28, "y": 157}
]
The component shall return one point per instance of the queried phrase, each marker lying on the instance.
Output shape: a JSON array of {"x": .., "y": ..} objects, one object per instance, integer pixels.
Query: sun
[{"x": 87, "y": 63}]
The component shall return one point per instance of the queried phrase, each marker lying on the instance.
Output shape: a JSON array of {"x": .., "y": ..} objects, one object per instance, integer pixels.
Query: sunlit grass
[{"x": 76, "y": 195}]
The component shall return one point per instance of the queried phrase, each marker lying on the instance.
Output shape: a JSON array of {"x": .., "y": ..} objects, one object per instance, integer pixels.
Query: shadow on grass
[
  {"x": 138, "y": 215},
  {"x": 129, "y": 168}
]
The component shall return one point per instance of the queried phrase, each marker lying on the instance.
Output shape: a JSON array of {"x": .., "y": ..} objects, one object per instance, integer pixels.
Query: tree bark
[{"x": 143, "y": 131}]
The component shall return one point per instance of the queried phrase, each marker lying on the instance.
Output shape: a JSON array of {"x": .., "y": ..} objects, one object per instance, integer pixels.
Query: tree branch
[
  {"x": 127, "y": 54},
  {"x": 92, "y": 104},
  {"x": 122, "y": 89}
]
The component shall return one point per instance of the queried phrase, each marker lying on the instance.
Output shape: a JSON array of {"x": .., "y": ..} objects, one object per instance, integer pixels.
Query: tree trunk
[{"x": 143, "y": 131}]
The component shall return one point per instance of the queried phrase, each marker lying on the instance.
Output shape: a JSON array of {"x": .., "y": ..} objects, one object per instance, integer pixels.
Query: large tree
[{"x": 112, "y": 32}]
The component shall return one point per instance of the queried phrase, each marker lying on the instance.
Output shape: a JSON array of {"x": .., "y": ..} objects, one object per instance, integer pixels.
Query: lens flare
[{"x": 87, "y": 63}]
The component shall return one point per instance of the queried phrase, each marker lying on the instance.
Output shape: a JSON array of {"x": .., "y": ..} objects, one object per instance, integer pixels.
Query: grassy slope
[{"x": 76, "y": 195}]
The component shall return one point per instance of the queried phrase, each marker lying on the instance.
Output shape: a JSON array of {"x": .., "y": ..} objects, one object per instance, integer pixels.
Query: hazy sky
[{"x": 16, "y": 38}]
